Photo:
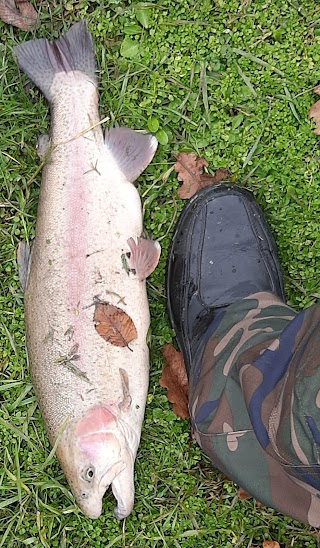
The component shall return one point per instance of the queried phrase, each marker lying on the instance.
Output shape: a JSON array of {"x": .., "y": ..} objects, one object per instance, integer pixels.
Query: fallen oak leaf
[
  {"x": 270, "y": 544},
  {"x": 244, "y": 495},
  {"x": 174, "y": 377},
  {"x": 189, "y": 168},
  {"x": 114, "y": 325},
  {"x": 222, "y": 174},
  {"x": 314, "y": 112},
  {"x": 19, "y": 13}
]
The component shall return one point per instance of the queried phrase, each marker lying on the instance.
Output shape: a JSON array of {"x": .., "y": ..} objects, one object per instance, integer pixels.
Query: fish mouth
[
  {"x": 109, "y": 474},
  {"x": 121, "y": 513},
  {"x": 95, "y": 515},
  {"x": 91, "y": 504},
  {"x": 91, "y": 509}
]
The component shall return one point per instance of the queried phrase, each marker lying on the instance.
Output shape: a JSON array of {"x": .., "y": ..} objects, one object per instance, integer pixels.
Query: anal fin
[{"x": 131, "y": 150}]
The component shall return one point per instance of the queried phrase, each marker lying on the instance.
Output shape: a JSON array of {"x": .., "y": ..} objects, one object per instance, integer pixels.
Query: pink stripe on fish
[{"x": 77, "y": 222}]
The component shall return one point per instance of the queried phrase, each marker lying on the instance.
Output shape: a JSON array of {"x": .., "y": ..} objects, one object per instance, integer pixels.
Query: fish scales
[{"x": 88, "y": 210}]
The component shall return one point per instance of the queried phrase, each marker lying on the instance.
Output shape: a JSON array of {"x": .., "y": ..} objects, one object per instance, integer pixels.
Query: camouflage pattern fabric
[{"x": 255, "y": 402}]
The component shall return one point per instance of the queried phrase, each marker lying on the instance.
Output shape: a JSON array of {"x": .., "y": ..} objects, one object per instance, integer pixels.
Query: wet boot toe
[{"x": 222, "y": 251}]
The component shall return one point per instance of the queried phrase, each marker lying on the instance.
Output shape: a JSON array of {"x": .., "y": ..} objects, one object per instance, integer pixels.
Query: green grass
[{"x": 231, "y": 81}]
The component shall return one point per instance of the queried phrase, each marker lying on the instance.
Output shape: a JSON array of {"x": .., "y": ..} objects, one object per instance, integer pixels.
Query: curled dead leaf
[
  {"x": 314, "y": 112},
  {"x": 19, "y": 13},
  {"x": 174, "y": 378},
  {"x": 189, "y": 168},
  {"x": 244, "y": 495},
  {"x": 270, "y": 544},
  {"x": 114, "y": 325}
]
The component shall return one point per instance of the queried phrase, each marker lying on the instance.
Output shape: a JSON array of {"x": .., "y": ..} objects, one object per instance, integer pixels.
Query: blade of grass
[
  {"x": 7, "y": 424},
  {"x": 256, "y": 143},
  {"x": 257, "y": 60},
  {"x": 204, "y": 87},
  {"x": 247, "y": 81},
  {"x": 292, "y": 104}
]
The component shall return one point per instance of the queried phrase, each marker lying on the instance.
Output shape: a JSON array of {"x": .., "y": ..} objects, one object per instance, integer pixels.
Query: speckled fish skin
[{"x": 91, "y": 394}]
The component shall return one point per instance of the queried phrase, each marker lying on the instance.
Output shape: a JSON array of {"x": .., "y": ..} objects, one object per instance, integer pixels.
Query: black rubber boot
[{"x": 222, "y": 251}]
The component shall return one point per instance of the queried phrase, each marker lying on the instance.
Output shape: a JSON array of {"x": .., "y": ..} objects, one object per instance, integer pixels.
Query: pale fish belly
[{"x": 79, "y": 260}]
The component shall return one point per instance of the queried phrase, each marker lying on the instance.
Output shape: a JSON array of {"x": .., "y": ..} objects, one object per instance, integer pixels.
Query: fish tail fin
[{"x": 41, "y": 59}]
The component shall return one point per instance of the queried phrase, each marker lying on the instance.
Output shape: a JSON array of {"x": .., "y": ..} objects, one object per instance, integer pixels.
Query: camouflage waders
[{"x": 255, "y": 402}]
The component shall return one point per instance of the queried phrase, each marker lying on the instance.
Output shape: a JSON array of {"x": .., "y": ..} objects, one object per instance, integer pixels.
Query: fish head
[{"x": 96, "y": 454}]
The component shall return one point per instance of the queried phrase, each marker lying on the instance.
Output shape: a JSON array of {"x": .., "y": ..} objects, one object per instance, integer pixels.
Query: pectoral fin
[
  {"x": 126, "y": 402},
  {"x": 144, "y": 257}
]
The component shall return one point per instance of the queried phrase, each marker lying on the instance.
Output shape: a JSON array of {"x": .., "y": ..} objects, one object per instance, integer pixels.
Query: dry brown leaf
[
  {"x": 19, "y": 13},
  {"x": 314, "y": 112},
  {"x": 244, "y": 495},
  {"x": 174, "y": 378},
  {"x": 270, "y": 544},
  {"x": 114, "y": 325},
  {"x": 189, "y": 168}
]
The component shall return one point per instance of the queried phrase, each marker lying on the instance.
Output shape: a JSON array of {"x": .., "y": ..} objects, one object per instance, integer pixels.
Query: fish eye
[{"x": 88, "y": 474}]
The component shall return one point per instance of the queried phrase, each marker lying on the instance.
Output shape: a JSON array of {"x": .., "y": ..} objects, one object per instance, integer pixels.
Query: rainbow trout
[{"x": 86, "y": 305}]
